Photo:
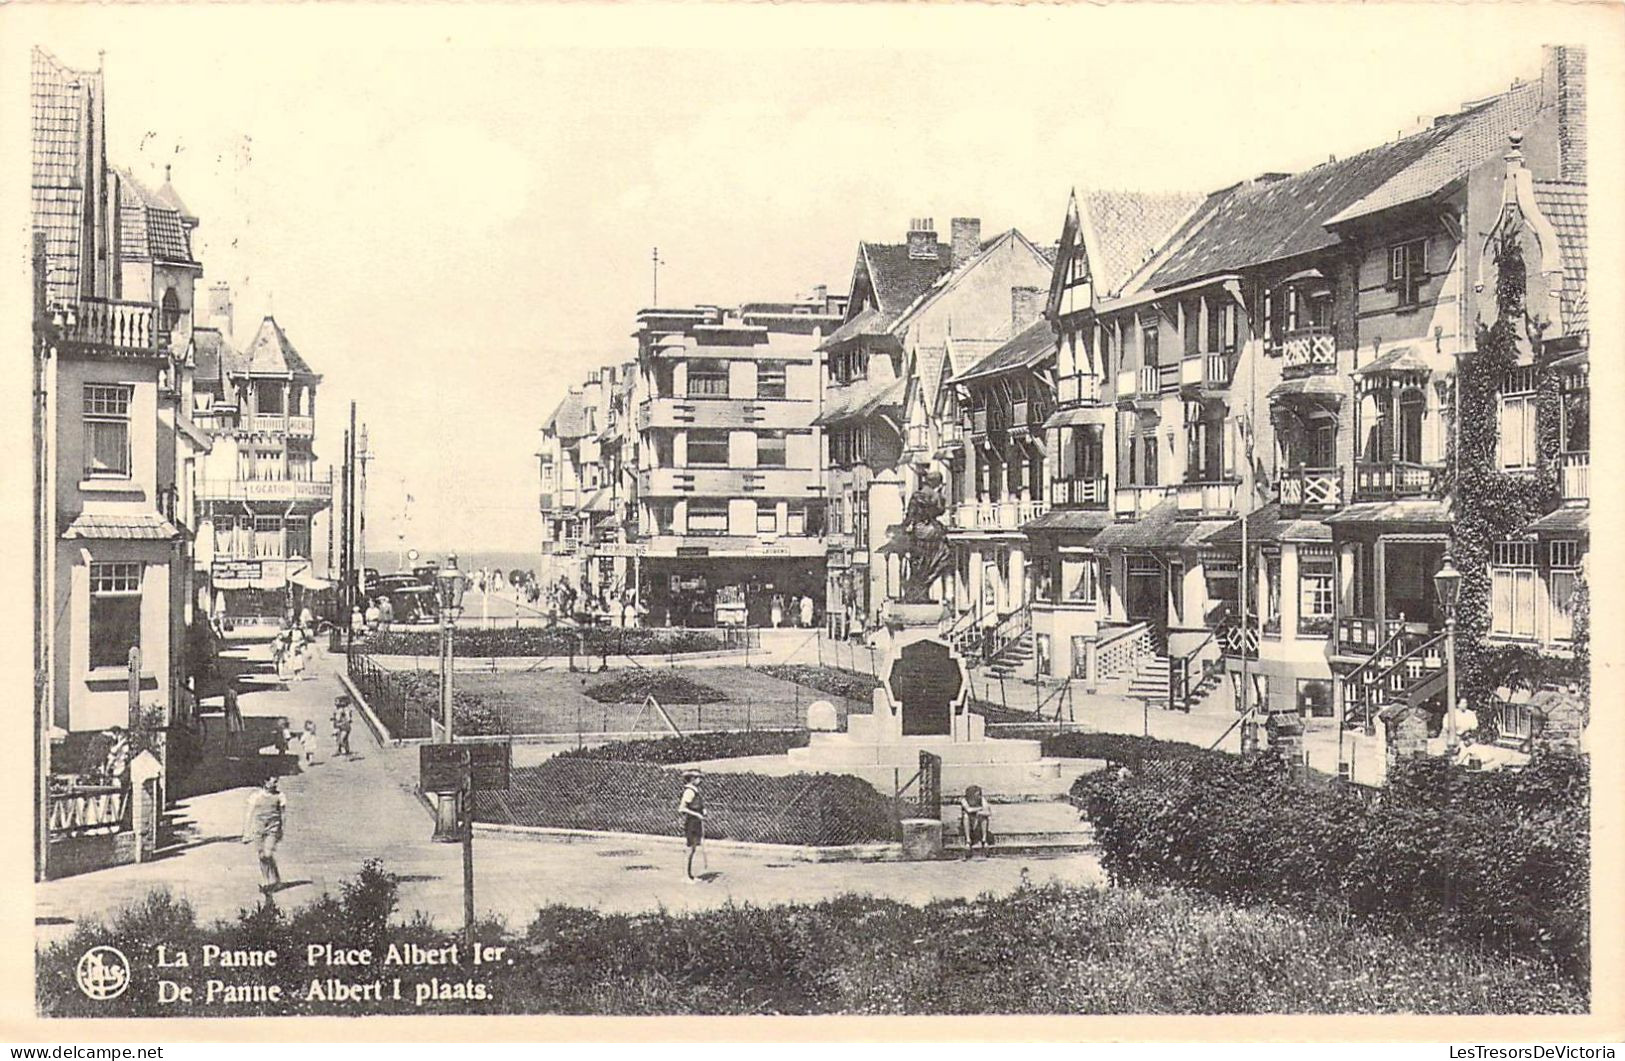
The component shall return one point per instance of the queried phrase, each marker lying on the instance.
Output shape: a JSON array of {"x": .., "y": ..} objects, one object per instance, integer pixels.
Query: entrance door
[{"x": 1146, "y": 595}]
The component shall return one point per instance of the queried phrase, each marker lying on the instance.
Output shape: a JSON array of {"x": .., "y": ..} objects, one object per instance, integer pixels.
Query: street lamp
[
  {"x": 450, "y": 585},
  {"x": 1447, "y": 585}
]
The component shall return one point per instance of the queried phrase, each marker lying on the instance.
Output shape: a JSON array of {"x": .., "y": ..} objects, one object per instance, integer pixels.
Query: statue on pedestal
[{"x": 921, "y": 540}]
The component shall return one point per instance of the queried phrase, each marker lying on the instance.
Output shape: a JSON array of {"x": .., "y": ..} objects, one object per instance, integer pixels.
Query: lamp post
[
  {"x": 450, "y": 585},
  {"x": 1447, "y": 585}
]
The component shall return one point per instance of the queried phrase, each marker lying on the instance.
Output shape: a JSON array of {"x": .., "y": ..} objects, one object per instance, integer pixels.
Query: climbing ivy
[{"x": 1491, "y": 505}]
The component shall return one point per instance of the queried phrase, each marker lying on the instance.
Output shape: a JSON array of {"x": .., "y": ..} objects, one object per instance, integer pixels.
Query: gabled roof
[
  {"x": 947, "y": 281},
  {"x": 1564, "y": 204},
  {"x": 571, "y": 419},
  {"x": 1469, "y": 139},
  {"x": 149, "y": 228},
  {"x": 1036, "y": 342},
  {"x": 928, "y": 369},
  {"x": 860, "y": 399},
  {"x": 897, "y": 278},
  {"x": 964, "y": 354},
  {"x": 271, "y": 353},
  {"x": 67, "y": 103},
  {"x": 1121, "y": 230}
]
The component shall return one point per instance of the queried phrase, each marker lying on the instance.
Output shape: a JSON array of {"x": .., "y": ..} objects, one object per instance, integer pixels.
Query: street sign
[
  {"x": 446, "y": 768},
  {"x": 490, "y": 764},
  {"x": 443, "y": 767}
]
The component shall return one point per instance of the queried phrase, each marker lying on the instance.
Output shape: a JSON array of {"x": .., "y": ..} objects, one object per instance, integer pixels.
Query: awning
[
  {"x": 1083, "y": 520},
  {"x": 1330, "y": 388},
  {"x": 309, "y": 581},
  {"x": 136, "y": 526},
  {"x": 1399, "y": 359},
  {"x": 1564, "y": 521},
  {"x": 1421, "y": 511},
  {"x": 1570, "y": 362},
  {"x": 1083, "y": 414},
  {"x": 1268, "y": 525},
  {"x": 1159, "y": 529}
]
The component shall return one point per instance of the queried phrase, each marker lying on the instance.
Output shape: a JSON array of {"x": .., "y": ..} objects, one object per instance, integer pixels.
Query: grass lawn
[{"x": 1050, "y": 950}]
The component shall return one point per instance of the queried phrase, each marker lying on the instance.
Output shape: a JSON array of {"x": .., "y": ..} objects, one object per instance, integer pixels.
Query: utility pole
[
  {"x": 363, "y": 457},
  {"x": 655, "y": 262},
  {"x": 44, "y": 542}
]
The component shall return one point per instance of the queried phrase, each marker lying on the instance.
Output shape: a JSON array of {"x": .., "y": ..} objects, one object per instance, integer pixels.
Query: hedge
[
  {"x": 543, "y": 641},
  {"x": 698, "y": 747},
  {"x": 1497, "y": 859},
  {"x": 1121, "y": 748},
  {"x": 1035, "y": 950},
  {"x": 666, "y": 685},
  {"x": 575, "y": 792}
]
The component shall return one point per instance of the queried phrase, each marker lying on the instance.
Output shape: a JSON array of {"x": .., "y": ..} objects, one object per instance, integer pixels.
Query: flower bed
[
  {"x": 554, "y": 641},
  {"x": 667, "y": 686},
  {"x": 699, "y": 747}
]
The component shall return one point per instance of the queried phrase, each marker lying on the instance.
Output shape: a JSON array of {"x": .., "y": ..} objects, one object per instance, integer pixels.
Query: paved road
[{"x": 342, "y": 812}]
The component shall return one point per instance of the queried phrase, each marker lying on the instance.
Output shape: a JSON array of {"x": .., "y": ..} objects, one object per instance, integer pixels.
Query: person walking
[
  {"x": 374, "y": 616},
  {"x": 262, "y": 829},
  {"x": 307, "y": 742},
  {"x": 234, "y": 723},
  {"x": 386, "y": 613},
  {"x": 341, "y": 726},
  {"x": 807, "y": 610},
  {"x": 691, "y": 809},
  {"x": 777, "y": 610}
]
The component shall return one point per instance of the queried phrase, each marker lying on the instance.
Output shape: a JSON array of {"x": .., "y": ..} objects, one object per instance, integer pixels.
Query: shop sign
[{"x": 235, "y": 570}]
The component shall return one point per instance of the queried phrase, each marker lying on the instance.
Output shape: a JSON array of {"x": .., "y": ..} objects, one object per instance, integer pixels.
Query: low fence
[
  {"x": 632, "y": 797},
  {"x": 393, "y": 698}
]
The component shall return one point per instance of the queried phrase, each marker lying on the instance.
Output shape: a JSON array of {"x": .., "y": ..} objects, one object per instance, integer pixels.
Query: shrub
[
  {"x": 574, "y": 792},
  {"x": 855, "y": 685},
  {"x": 1120, "y": 748},
  {"x": 1493, "y": 859},
  {"x": 666, "y": 686},
  {"x": 695, "y": 748},
  {"x": 547, "y": 641}
]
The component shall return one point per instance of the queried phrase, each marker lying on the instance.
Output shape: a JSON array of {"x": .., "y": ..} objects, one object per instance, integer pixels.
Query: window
[
  {"x": 707, "y": 449},
  {"x": 299, "y": 536},
  {"x": 1518, "y": 446},
  {"x": 770, "y": 449},
  {"x": 707, "y": 378},
  {"x": 1512, "y": 589},
  {"x": 1317, "y": 584},
  {"x": 115, "y": 613},
  {"x": 1148, "y": 342},
  {"x": 795, "y": 520},
  {"x": 1565, "y": 579},
  {"x": 1315, "y": 697},
  {"x": 1193, "y": 326},
  {"x": 1407, "y": 269},
  {"x": 708, "y": 517},
  {"x": 767, "y": 519},
  {"x": 1272, "y": 578},
  {"x": 771, "y": 379},
  {"x": 1576, "y": 421},
  {"x": 1080, "y": 578},
  {"x": 107, "y": 430},
  {"x": 267, "y": 536}
]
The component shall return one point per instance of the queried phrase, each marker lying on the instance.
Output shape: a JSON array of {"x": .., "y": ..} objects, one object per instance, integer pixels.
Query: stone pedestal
[
  {"x": 922, "y": 838},
  {"x": 1405, "y": 732},
  {"x": 1285, "y": 730}
]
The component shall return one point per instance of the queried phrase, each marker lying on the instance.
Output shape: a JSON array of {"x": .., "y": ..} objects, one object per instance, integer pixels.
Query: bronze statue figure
[{"x": 921, "y": 540}]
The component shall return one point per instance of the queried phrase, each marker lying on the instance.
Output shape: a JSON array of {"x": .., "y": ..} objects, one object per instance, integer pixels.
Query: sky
[{"x": 451, "y": 213}]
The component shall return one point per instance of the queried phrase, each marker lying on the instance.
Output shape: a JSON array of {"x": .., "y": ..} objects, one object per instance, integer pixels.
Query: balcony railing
[
  {"x": 918, "y": 435},
  {"x": 1026, "y": 415},
  {"x": 1308, "y": 351},
  {"x": 1006, "y": 515},
  {"x": 268, "y": 423},
  {"x": 1205, "y": 371},
  {"x": 302, "y": 426},
  {"x": 110, "y": 328},
  {"x": 1311, "y": 489},
  {"x": 1128, "y": 386},
  {"x": 1574, "y": 475},
  {"x": 951, "y": 433},
  {"x": 1147, "y": 381},
  {"x": 1077, "y": 389},
  {"x": 1237, "y": 640},
  {"x": 265, "y": 490},
  {"x": 1132, "y": 502},
  {"x": 1216, "y": 497},
  {"x": 1384, "y": 480},
  {"x": 1082, "y": 492}
]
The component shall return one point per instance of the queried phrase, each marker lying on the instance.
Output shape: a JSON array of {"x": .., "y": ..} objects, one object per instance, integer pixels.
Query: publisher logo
[{"x": 103, "y": 973}]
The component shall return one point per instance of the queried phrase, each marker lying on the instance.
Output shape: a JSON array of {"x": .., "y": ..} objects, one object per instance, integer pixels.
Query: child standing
[{"x": 307, "y": 741}]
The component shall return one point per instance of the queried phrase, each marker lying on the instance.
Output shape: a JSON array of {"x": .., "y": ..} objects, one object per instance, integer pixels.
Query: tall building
[
  {"x": 261, "y": 488},
  {"x": 729, "y": 494}
]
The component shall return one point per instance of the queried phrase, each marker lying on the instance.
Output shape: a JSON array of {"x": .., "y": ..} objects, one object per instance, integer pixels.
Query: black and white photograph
[{"x": 786, "y": 510}]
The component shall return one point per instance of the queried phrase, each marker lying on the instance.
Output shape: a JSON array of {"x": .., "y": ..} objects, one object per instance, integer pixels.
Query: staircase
[
  {"x": 1015, "y": 660},
  {"x": 1150, "y": 681},
  {"x": 1052, "y": 829},
  {"x": 1407, "y": 668}
]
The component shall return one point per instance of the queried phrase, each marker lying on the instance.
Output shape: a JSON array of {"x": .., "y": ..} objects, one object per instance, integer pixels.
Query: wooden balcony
[
  {"x": 1574, "y": 476},
  {"x": 301, "y": 427},
  {"x": 1026, "y": 415},
  {"x": 1080, "y": 492},
  {"x": 1207, "y": 498},
  {"x": 1007, "y": 515},
  {"x": 1133, "y": 502},
  {"x": 916, "y": 437},
  {"x": 101, "y": 327},
  {"x": 1077, "y": 389},
  {"x": 1310, "y": 490},
  {"x": 1308, "y": 351},
  {"x": 1210, "y": 371},
  {"x": 1391, "y": 480}
]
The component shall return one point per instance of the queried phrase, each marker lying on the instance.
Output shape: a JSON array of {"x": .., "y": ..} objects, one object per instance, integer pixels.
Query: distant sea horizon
[{"x": 384, "y": 560}]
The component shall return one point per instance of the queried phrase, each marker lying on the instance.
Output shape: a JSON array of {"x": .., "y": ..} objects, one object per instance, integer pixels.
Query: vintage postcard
[{"x": 989, "y": 514}]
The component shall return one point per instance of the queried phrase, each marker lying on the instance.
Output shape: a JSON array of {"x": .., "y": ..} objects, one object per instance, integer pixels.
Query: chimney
[
  {"x": 220, "y": 313},
  {"x": 1026, "y": 303},
  {"x": 922, "y": 238},
  {"x": 966, "y": 239},
  {"x": 820, "y": 295},
  {"x": 1563, "y": 81}
]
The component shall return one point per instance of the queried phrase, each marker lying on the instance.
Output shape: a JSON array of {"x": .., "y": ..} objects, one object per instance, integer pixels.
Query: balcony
[
  {"x": 1205, "y": 371},
  {"x": 917, "y": 438},
  {"x": 1080, "y": 492},
  {"x": 1077, "y": 389},
  {"x": 293, "y": 491},
  {"x": 1026, "y": 415},
  {"x": 1311, "y": 490},
  {"x": 950, "y": 433},
  {"x": 301, "y": 427},
  {"x": 1310, "y": 351},
  {"x": 100, "y": 327},
  {"x": 728, "y": 482},
  {"x": 1207, "y": 498},
  {"x": 1574, "y": 476},
  {"x": 1128, "y": 385},
  {"x": 1133, "y": 502},
  {"x": 1390, "y": 480},
  {"x": 723, "y": 412},
  {"x": 1006, "y": 515}
]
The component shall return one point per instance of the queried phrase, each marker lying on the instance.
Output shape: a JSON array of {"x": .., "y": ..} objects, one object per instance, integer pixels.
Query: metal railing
[
  {"x": 1382, "y": 480},
  {"x": 1190, "y": 672}
]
